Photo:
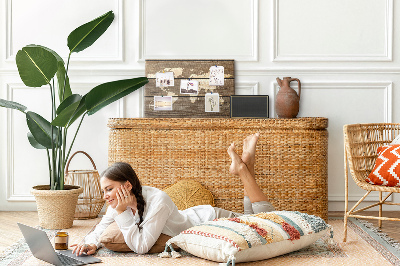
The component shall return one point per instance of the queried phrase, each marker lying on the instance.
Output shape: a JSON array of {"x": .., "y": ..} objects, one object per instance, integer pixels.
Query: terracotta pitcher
[{"x": 287, "y": 100}]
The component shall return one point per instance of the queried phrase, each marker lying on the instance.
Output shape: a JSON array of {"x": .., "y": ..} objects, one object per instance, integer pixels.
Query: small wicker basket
[{"x": 90, "y": 202}]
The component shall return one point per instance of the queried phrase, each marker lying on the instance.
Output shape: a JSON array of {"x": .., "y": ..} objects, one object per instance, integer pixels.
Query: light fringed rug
[{"x": 364, "y": 246}]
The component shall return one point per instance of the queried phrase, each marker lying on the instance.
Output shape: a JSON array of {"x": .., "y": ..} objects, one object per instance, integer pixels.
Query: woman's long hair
[{"x": 122, "y": 172}]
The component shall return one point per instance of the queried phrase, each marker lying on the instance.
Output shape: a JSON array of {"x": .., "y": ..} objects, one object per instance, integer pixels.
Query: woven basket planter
[{"x": 56, "y": 208}]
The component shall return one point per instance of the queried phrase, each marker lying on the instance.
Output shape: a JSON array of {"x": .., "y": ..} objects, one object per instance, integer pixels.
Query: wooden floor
[{"x": 9, "y": 231}]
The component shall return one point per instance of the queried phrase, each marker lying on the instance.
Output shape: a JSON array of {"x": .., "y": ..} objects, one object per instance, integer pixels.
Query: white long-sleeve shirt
[{"x": 160, "y": 216}]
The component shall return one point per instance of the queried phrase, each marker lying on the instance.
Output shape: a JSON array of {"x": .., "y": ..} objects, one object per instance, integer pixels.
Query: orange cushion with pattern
[{"x": 386, "y": 171}]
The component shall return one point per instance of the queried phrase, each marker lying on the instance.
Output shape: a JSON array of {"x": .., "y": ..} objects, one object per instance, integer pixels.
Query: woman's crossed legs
[{"x": 254, "y": 201}]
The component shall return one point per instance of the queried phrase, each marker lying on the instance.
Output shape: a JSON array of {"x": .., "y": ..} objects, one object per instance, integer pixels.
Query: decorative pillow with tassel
[{"x": 250, "y": 237}]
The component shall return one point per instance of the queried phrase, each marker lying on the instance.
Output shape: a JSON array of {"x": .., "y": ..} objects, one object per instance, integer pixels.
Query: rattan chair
[{"x": 360, "y": 145}]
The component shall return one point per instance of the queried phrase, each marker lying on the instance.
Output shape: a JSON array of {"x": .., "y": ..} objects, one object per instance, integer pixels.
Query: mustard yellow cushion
[{"x": 188, "y": 193}]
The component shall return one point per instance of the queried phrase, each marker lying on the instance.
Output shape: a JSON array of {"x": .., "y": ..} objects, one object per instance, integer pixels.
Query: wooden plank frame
[{"x": 183, "y": 105}]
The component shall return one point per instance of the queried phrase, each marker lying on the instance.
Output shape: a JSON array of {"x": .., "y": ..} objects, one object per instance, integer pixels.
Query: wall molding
[
  {"x": 316, "y": 70},
  {"x": 129, "y": 73},
  {"x": 10, "y": 177},
  {"x": 120, "y": 57},
  {"x": 141, "y": 101},
  {"x": 7, "y": 26},
  {"x": 11, "y": 196},
  {"x": 140, "y": 72},
  {"x": 240, "y": 58},
  {"x": 250, "y": 86},
  {"x": 386, "y": 56}
]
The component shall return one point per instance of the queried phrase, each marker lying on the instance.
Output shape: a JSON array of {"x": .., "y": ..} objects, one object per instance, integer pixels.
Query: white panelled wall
[{"x": 345, "y": 52}]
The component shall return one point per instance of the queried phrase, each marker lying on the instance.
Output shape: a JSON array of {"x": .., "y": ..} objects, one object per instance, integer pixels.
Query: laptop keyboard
[{"x": 65, "y": 260}]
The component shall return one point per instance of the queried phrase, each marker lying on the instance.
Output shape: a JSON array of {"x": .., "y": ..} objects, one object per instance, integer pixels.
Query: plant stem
[
  {"x": 52, "y": 185},
  {"x": 48, "y": 159},
  {"x": 63, "y": 152},
  {"x": 60, "y": 173},
  {"x": 66, "y": 75},
  {"x": 72, "y": 143},
  {"x": 53, "y": 83}
]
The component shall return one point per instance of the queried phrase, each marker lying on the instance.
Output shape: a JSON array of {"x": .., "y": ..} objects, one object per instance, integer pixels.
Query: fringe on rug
[
  {"x": 382, "y": 235},
  {"x": 6, "y": 252}
]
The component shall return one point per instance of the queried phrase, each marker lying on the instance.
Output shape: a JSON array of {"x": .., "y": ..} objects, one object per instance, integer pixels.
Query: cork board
[{"x": 187, "y": 105}]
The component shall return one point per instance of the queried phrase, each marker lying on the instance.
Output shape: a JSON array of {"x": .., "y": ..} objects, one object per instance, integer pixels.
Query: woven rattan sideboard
[{"x": 291, "y": 162}]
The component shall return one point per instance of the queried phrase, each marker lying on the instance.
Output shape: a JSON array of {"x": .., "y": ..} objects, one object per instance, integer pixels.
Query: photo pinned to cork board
[
  {"x": 162, "y": 103},
  {"x": 165, "y": 79},
  {"x": 189, "y": 88},
  {"x": 212, "y": 102}
]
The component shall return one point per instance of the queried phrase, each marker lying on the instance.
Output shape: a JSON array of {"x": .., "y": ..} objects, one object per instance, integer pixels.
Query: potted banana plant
[{"x": 40, "y": 66}]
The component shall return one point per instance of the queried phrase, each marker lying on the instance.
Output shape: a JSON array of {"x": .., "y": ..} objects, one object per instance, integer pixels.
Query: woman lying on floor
[{"x": 143, "y": 213}]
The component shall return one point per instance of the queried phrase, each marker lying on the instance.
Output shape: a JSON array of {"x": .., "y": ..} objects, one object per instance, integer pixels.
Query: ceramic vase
[{"x": 287, "y": 100}]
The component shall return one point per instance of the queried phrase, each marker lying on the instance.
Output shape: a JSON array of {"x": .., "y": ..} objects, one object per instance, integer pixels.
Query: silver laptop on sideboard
[{"x": 41, "y": 248}]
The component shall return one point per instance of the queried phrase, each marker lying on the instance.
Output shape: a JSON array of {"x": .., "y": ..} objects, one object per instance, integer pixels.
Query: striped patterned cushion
[{"x": 251, "y": 237}]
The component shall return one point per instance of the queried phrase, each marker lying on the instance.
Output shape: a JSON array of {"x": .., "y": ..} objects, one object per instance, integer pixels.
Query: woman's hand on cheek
[{"x": 124, "y": 199}]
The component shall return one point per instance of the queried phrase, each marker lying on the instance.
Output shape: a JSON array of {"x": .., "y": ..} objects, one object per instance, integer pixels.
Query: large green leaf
[
  {"x": 36, "y": 65},
  {"x": 41, "y": 130},
  {"x": 66, "y": 110},
  {"x": 47, "y": 49},
  {"x": 12, "y": 105},
  {"x": 62, "y": 78},
  {"x": 34, "y": 143},
  {"x": 61, "y": 75},
  {"x": 79, "y": 111},
  {"x": 85, "y": 35},
  {"x": 104, "y": 94},
  {"x": 67, "y": 102}
]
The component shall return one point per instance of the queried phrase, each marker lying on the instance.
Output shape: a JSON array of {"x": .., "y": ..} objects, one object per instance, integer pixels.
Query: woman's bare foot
[
  {"x": 238, "y": 167},
  {"x": 249, "y": 149},
  {"x": 237, "y": 163}
]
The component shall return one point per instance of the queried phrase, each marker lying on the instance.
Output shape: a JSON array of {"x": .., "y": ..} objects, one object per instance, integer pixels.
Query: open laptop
[{"x": 41, "y": 248}]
